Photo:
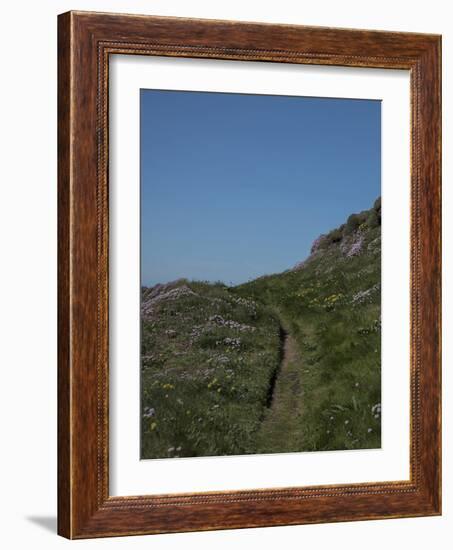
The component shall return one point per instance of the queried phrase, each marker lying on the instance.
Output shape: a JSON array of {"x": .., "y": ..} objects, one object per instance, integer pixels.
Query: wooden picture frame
[{"x": 85, "y": 42}]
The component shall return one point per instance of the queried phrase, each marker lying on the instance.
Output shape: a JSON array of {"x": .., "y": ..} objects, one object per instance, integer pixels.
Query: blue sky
[{"x": 235, "y": 186}]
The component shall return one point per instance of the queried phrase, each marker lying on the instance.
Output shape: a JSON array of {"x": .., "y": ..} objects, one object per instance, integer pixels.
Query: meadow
[{"x": 207, "y": 358}]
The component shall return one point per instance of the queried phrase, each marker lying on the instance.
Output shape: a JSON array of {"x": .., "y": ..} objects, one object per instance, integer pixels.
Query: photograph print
[{"x": 260, "y": 274}]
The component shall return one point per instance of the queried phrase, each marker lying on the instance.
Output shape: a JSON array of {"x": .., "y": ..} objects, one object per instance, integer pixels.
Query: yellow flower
[{"x": 153, "y": 426}]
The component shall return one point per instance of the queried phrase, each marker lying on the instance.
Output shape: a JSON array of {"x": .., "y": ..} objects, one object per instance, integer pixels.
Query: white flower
[{"x": 149, "y": 412}]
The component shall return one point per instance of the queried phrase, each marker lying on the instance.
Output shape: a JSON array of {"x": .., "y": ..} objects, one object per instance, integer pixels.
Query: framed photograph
[{"x": 249, "y": 275}]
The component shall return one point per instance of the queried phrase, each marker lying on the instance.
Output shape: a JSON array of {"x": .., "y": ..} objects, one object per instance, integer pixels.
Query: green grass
[
  {"x": 207, "y": 361},
  {"x": 339, "y": 338},
  {"x": 210, "y": 354},
  {"x": 281, "y": 430}
]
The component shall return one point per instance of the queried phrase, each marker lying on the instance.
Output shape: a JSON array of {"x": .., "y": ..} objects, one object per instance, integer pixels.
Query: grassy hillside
[
  {"x": 208, "y": 358},
  {"x": 288, "y": 362},
  {"x": 331, "y": 305}
]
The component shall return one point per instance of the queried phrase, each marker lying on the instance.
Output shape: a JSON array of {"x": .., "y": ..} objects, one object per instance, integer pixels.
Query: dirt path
[{"x": 281, "y": 427}]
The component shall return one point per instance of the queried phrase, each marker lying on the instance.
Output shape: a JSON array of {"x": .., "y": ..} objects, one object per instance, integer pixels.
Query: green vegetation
[
  {"x": 287, "y": 362},
  {"x": 331, "y": 306},
  {"x": 208, "y": 357}
]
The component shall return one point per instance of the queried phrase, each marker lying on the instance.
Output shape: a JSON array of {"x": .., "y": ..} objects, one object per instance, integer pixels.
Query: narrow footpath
[{"x": 281, "y": 428}]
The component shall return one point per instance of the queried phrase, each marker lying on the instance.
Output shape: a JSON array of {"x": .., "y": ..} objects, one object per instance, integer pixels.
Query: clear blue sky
[{"x": 235, "y": 186}]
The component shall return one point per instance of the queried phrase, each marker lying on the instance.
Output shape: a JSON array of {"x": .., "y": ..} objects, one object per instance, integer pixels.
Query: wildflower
[
  {"x": 149, "y": 412},
  {"x": 153, "y": 426}
]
